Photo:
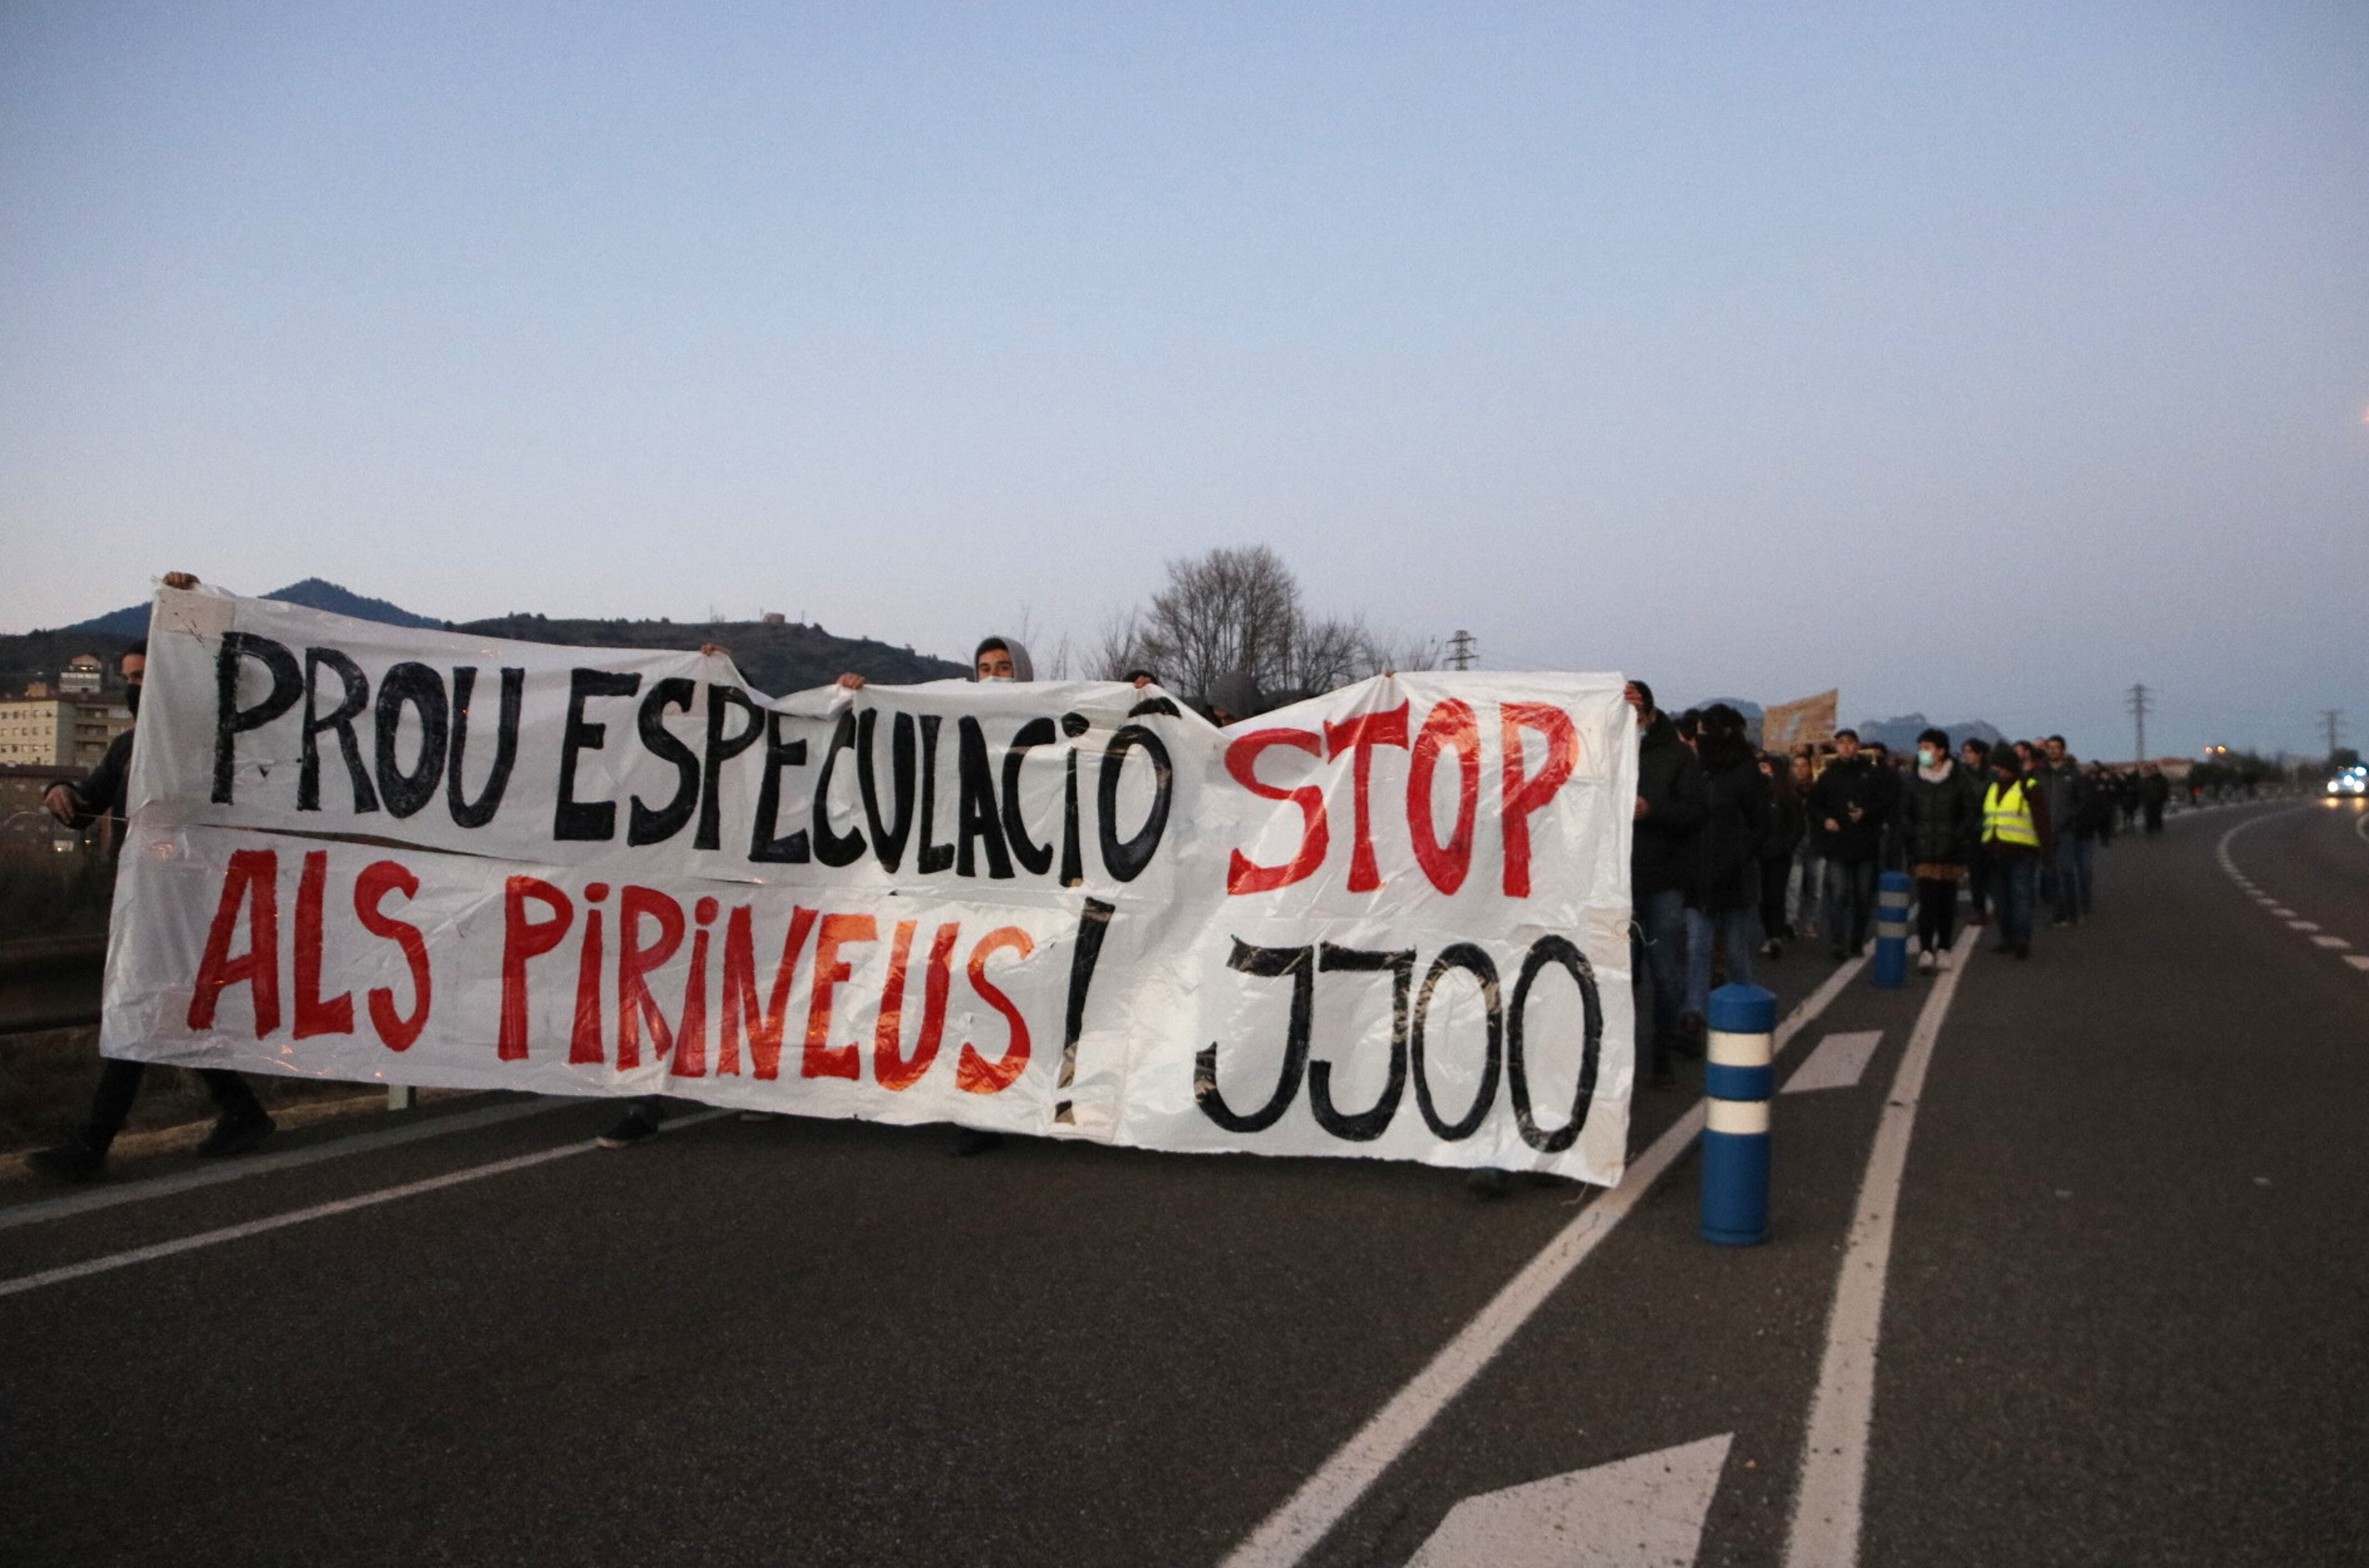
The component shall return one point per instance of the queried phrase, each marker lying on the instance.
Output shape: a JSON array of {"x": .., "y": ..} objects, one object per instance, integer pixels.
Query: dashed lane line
[
  {"x": 2276, "y": 909},
  {"x": 1828, "y": 1503},
  {"x": 1292, "y": 1531},
  {"x": 215, "y": 1238}
]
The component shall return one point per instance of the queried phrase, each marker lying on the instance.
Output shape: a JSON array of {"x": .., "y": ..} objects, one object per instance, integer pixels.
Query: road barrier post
[
  {"x": 1740, "y": 1078},
  {"x": 1892, "y": 930}
]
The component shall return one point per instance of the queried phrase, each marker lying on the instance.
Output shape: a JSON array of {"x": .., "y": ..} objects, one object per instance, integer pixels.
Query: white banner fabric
[{"x": 1389, "y": 921}]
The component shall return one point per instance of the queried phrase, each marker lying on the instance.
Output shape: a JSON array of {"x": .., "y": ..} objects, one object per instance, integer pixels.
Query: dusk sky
[{"x": 1980, "y": 360}]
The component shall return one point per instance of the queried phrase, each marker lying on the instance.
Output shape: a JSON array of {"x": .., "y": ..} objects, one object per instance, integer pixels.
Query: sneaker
[
  {"x": 77, "y": 1161},
  {"x": 1488, "y": 1181},
  {"x": 971, "y": 1141},
  {"x": 1925, "y": 961},
  {"x": 631, "y": 1128},
  {"x": 236, "y": 1134},
  {"x": 1940, "y": 960}
]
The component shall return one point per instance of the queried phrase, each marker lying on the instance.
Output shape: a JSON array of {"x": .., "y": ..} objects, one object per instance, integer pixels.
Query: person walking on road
[
  {"x": 1974, "y": 759},
  {"x": 1727, "y": 853},
  {"x": 2068, "y": 794},
  {"x": 1849, "y": 832},
  {"x": 1776, "y": 847},
  {"x": 1940, "y": 823},
  {"x": 243, "y": 1122},
  {"x": 2015, "y": 835},
  {"x": 1808, "y": 870},
  {"x": 2155, "y": 794},
  {"x": 1669, "y": 811}
]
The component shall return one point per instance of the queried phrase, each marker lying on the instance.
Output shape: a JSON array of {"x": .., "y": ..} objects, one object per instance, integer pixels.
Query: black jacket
[
  {"x": 1735, "y": 821},
  {"x": 109, "y": 785},
  {"x": 1670, "y": 782},
  {"x": 1941, "y": 821},
  {"x": 1840, "y": 787}
]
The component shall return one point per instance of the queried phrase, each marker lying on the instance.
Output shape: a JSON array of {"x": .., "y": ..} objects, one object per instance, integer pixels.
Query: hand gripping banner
[{"x": 1387, "y": 922}]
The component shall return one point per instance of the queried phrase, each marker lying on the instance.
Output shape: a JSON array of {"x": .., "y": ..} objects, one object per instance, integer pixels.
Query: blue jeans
[
  {"x": 1662, "y": 933},
  {"x": 1741, "y": 931},
  {"x": 1809, "y": 868},
  {"x": 2073, "y": 880},
  {"x": 2012, "y": 876},
  {"x": 1849, "y": 902}
]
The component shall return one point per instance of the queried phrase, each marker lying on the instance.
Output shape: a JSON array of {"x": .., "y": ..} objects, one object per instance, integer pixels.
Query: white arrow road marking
[
  {"x": 1287, "y": 1535},
  {"x": 1837, "y": 1063},
  {"x": 1646, "y": 1512}
]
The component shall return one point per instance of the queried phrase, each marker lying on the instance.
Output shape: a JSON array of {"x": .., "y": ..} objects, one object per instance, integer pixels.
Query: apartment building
[{"x": 66, "y": 731}]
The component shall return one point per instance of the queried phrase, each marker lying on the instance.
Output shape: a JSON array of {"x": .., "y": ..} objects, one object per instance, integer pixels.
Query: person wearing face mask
[
  {"x": 243, "y": 1122},
  {"x": 1939, "y": 823}
]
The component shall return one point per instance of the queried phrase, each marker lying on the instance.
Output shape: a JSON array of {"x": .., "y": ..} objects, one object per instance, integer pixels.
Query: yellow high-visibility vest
[{"x": 2006, "y": 816}]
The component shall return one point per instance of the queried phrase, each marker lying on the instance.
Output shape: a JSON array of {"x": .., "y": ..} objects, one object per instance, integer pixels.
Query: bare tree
[
  {"x": 1117, "y": 649},
  {"x": 1232, "y": 609}
]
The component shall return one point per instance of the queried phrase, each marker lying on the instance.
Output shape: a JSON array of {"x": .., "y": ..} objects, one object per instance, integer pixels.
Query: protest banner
[
  {"x": 1810, "y": 721},
  {"x": 1389, "y": 922}
]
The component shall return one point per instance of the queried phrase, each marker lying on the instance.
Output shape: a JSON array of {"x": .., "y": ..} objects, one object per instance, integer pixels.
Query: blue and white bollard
[
  {"x": 1740, "y": 1078},
  {"x": 1892, "y": 890}
]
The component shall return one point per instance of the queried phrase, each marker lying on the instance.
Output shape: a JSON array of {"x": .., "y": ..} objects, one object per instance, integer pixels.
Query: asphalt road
[{"x": 2127, "y": 1317}]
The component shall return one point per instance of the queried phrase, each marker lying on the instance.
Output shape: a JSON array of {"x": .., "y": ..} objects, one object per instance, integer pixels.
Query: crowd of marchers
[{"x": 1738, "y": 851}]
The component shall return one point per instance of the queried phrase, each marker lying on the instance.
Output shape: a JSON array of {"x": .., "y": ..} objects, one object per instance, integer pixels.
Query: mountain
[
  {"x": 313, "y": 593},
  {"x": 775, "y": 657},
  {"x": 1900, "y": 733}
]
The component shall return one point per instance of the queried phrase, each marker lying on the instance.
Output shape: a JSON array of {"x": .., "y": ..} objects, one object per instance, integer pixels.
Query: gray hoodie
[{"x": 1023, "y": 668}]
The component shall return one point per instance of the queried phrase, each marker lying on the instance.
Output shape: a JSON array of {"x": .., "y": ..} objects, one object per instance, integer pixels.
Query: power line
[
  {"x": 1461, "y": 651},
  {"x": 2138, "y": 704}
]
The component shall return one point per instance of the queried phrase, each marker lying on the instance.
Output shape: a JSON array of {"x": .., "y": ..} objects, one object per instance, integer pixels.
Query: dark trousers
[
  {"x": 119, "y": 1083},
  {"x": 2012, "y": 875},
  {"x": 1937, "y": 913},
  {"x": 1849, "y": 902},
  {"x": 1660, "y": 945},
  {"x": 1773, "y": 871},
  {"x": 1978, "y": 882}
]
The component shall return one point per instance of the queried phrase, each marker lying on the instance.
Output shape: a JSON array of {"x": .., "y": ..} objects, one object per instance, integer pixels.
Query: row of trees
[{"x": 1242, "y": 609}]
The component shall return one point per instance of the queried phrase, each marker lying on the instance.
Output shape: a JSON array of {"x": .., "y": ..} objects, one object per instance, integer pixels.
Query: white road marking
[
  {"x": 2329, "y": 942},
  {"x": 1826, "y": 1531},
  {"x": 1646, "y": 1512},
  {"x": 2303, "y": 925},
  {"x": 1288, "y": 1534},
  {"x": 286, "y": 1159},
  {"x": 2358, "y": 960},
  {"x": 1837, "y": 1063},
  {"x": 114, "y": 1261},
  {"x": 2281, "y": 911}
]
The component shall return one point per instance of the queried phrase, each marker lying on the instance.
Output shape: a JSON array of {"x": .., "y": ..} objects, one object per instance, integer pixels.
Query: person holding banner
[
  {"x": 243, "y": 1122},
  {"x": 1669, "y": 812}
]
